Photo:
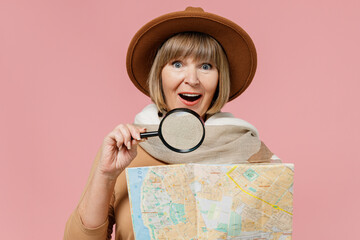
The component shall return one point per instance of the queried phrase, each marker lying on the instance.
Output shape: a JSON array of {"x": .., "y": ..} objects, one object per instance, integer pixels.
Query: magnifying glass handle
[{"x": 149, "y": 134}]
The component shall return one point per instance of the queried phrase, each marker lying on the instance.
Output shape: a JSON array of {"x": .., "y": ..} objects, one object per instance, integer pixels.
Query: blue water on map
[{"x": 136, "y": 178}]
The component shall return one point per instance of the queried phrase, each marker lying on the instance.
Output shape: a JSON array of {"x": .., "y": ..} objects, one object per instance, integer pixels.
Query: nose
[{"x": 192, "y": 77}]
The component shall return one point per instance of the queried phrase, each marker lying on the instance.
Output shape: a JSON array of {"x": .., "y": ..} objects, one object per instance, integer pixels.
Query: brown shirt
[{"x": 119, "y": 209}]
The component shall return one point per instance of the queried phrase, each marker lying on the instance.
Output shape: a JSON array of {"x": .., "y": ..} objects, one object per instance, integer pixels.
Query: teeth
[{"x": 190, "y": 95}]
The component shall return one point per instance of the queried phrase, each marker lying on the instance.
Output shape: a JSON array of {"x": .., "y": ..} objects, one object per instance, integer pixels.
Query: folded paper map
[{"x": 196, "y": 201}]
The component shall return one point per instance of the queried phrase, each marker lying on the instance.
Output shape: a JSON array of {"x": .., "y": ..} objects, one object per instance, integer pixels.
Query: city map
[{"x": 193, "y": 201}]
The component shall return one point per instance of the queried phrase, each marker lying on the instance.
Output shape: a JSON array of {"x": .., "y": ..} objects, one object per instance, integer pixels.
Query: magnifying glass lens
[{"x": 182, "y": 130}]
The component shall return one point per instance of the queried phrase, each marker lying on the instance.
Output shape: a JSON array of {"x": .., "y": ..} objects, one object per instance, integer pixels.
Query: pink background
[{"x": 64, "y": 86}]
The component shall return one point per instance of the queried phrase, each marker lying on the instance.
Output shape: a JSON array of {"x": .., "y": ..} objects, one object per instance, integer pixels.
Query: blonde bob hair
[{"x": 201, "y": 47}]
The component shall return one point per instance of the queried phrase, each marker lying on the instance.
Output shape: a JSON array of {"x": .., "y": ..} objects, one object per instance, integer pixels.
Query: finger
[
  {"x": 113, "y": 139},
  {"x": 110, "y": 139},
  {"x": 119, "y": 138},
  {"x": 134, "y": 144},
  {"x": 135, "y": 131},
  {"x": 142, "y": 130},
  {"x": 124, "y": 130}
]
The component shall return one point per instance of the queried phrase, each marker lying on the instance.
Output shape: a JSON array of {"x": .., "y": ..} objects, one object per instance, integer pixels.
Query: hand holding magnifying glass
[{"x": 181, "y": 130}]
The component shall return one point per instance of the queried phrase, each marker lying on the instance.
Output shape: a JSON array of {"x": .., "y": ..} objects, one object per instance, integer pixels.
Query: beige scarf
[{"x": 228, "y": 140}]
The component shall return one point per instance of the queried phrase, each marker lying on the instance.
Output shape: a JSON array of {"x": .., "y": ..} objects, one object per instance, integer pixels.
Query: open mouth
[{"x": 190, "y": 97}]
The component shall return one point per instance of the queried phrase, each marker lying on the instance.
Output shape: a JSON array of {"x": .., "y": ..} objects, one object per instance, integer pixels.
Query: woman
[{"x": 190, "y": 59}]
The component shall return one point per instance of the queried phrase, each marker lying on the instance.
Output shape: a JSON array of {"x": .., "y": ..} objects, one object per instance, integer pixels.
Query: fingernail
[{"x": 128, "y": 145}]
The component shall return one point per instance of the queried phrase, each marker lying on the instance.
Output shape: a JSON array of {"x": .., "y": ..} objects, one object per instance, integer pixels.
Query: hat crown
[{"x": 194, "y": 9}]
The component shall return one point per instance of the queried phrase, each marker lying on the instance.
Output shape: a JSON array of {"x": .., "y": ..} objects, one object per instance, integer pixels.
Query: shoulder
[{"x": 263, "y": 155}]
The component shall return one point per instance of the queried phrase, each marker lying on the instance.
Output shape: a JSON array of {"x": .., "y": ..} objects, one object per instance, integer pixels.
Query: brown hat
[{"x": 237, "y": 44}]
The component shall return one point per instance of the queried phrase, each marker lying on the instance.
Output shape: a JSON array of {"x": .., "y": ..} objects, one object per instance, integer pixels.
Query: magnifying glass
[{"x": 181, "y": 130}]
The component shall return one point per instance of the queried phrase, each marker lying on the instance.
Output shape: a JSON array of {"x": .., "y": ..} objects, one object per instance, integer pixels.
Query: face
[{"x": 189, "y": 84}]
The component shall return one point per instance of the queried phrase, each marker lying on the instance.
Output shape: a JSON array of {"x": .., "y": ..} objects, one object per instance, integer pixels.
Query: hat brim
[{"x": 237, "y": 44}]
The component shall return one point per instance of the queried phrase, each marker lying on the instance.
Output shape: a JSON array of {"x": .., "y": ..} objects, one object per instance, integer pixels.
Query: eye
[
  {"x": 177, "y": 64},
  {"x": 206, "y": 66}
]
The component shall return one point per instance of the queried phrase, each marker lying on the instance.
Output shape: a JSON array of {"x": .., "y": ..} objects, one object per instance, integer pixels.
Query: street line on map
[
  {"x": 274, "y": 206},
  {"x": 283, "y": 194}
]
